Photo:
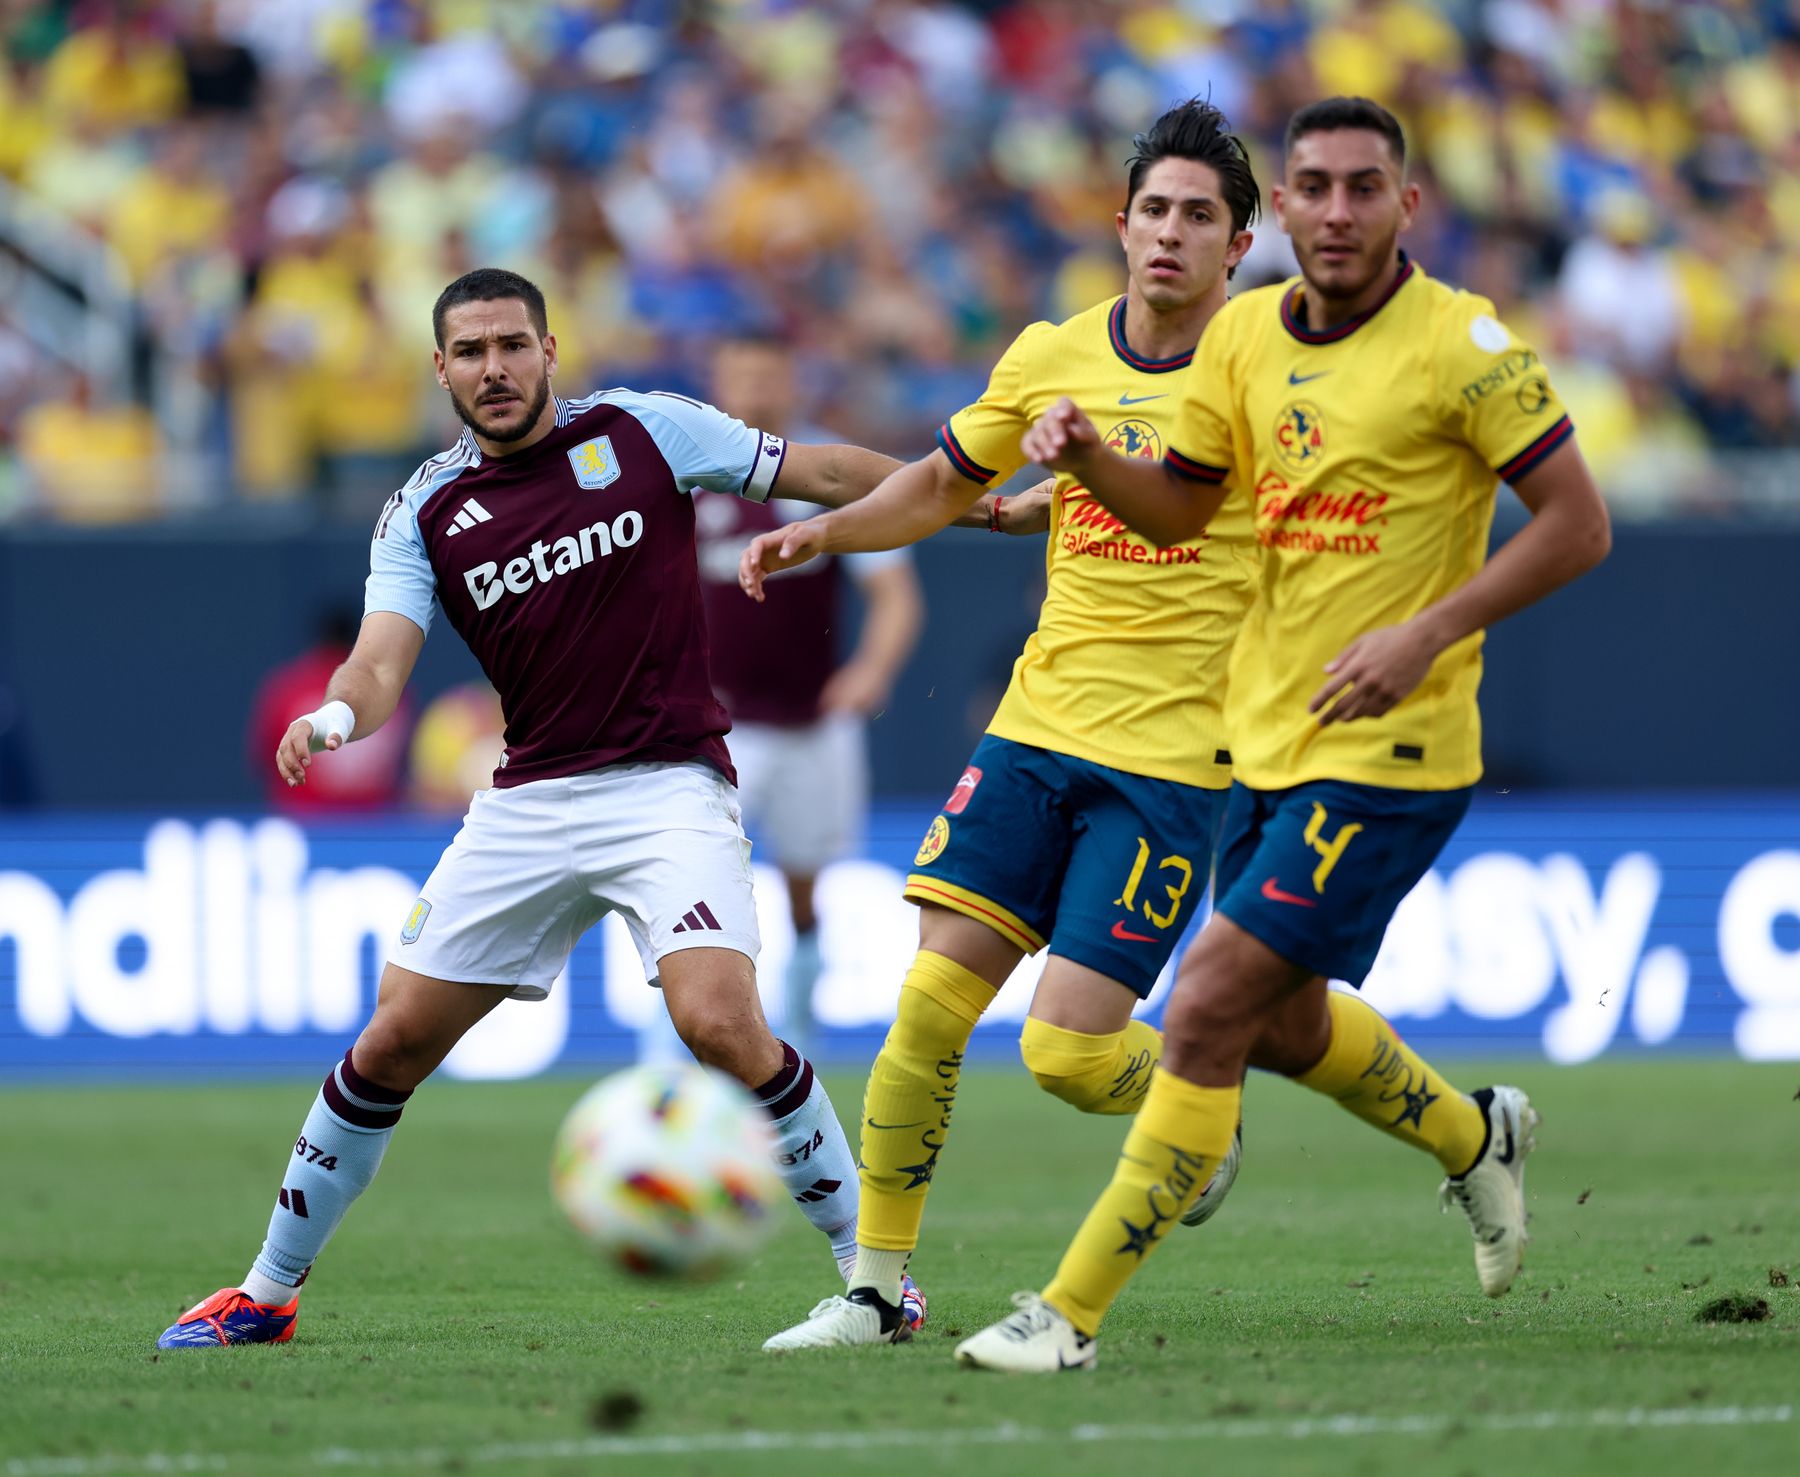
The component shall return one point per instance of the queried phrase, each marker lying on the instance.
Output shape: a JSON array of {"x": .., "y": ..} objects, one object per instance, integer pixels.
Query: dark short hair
[
  {"x": 1197, "y": 130},
  {"x": 1331, "y": 114},
  {"x": 490, "y": 285}
]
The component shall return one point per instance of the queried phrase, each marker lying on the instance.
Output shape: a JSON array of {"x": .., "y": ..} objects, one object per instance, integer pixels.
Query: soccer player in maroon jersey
[{"x": 557, "y": 538}]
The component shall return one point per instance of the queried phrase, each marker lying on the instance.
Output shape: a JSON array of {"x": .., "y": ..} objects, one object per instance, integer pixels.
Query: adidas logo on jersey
[
  {"x": 472, "y": 513},
  {"x": 543, "y": 562}
]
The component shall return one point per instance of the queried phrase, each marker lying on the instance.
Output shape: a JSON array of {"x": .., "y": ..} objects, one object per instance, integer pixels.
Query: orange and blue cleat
[
  {"x": 230, "y": 1317},
  {"x": 912, "y": 1303}
]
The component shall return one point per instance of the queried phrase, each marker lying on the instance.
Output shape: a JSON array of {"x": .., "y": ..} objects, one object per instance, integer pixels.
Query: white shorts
[
  {"x": 537, "y": 865},
  {"x": 805, "y": 791}
]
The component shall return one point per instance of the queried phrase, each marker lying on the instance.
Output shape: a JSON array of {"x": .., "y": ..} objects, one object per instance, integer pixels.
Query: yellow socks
[
  {"x": 906, "y": 1111},
  {"x": 1382, "y": 1080},
  {"x": 1176, "y": 1142},
  {"x": 1097, "y": 1074}
]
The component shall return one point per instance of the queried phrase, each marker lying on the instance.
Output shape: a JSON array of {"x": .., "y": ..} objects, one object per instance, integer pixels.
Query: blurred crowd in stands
[{"x": 899, "y": 185}]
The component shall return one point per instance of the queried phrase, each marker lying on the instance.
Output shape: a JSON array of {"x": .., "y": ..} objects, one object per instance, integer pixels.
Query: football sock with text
[
  {"x": 1369, "y": 1070},
  {"x": 906, "y": 1111},
  {"x": 1097, "y": 1074},
  {"x": 334, "y": 1159},
  {"x": 812, "y": 1156},
  {"x": 1176, "y": 1142}
]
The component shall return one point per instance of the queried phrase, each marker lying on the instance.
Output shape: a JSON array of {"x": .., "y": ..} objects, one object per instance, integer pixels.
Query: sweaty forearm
[
  {"x": 912, "y": 503},
  {"x": 852, "y": 473},
  {"x": 1150, "y": 499}
]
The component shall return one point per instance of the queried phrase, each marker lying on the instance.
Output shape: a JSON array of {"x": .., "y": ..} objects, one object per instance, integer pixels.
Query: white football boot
[
  {"x": 861, "y": 1316},
  {"x": 1219, "y": 1186},
  {"x": 1492, "y": 1193},
  {"x": 1034, "y": 1340}
]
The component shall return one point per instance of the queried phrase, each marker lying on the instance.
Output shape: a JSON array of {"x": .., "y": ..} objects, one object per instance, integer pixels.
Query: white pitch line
[{"x": 727, "y": 1442}]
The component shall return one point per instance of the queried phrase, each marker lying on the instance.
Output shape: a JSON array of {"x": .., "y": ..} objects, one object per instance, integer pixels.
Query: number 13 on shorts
[{"x": 1177, "y": 890}]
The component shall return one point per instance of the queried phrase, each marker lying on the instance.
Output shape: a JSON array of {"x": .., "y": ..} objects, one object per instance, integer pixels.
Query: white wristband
[{"x": 333, "y": 718}]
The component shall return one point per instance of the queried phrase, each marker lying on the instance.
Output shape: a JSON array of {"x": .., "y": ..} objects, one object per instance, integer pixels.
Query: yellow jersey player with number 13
[
  {"x": 1084, "y": 822},
  {"x": 1364, "y": 415}
]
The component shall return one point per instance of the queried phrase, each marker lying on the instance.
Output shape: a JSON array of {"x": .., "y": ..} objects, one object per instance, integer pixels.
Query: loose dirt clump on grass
[{"x": 1734, "y": 1309}]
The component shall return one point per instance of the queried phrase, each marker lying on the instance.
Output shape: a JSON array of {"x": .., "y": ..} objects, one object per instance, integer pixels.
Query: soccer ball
[{"x": 666, "y": 1170}]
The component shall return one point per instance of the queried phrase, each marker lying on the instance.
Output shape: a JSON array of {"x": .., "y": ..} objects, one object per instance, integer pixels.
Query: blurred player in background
[
  {"x": 1365, "y": 416},
  {"x": 557, "y": 538},
  {"x": 371, "y": 775},
  {"x": 1085, "y": 820},
  {"x": 797, "y": 715}
]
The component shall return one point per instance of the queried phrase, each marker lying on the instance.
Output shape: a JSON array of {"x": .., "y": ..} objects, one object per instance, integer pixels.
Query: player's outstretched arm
[
  {"x": 360, "y": 697},
  {"x": 831, "y": 475},
  {"x": 1569, "y": 533},
  {"x": 912, "y": 502},
  {"x": 1152, "y": 500},
  {"x": 836, "y": 476}
]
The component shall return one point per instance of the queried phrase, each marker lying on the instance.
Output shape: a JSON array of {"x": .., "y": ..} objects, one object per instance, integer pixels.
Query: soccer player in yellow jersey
[
  {"x": 1365, "y": 415},
  {"x": 1084, "y": 821}
]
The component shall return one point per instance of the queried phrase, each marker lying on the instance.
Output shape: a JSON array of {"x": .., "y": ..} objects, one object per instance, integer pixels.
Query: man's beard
[
  {"x": 518, "y": 433},
  {"x": 1349, "y": 291}
]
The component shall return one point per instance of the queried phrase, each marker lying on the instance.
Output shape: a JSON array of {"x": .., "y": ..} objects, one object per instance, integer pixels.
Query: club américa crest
[
  {"x": 1135, "y": 438},
  {"x": 1300, "y": 436},
  {"x": 932, "y": 847}
]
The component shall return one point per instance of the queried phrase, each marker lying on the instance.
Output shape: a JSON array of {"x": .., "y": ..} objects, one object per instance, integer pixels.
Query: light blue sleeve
[
  {"x": 400, "y": 573},
  {"x": 705, "y": 447}
]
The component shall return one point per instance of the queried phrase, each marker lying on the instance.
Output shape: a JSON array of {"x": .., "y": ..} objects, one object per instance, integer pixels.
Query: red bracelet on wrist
[{"x": 994, "y": 516}]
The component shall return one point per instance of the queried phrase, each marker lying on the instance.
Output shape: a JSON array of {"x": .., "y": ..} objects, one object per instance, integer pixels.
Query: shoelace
[
  {"x": 1033, "y": 1316},
  {"x": 216, "y": 1319},
  {"x": 1466, "y": 1199}
]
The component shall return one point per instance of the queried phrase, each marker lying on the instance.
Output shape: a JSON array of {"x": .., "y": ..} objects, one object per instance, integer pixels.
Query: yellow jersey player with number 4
[
  {"x": 1084, "y": 822},
  {"x": 1364, "y": 415}
]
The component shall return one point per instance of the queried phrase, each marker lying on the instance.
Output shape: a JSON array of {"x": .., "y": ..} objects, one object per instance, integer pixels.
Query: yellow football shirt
[
  {"x": 1370, "y": 454},
  {"x": 1127, "y": 665}
]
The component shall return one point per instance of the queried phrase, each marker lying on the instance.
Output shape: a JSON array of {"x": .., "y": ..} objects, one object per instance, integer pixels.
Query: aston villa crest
[{"x": 594, "y": 463}]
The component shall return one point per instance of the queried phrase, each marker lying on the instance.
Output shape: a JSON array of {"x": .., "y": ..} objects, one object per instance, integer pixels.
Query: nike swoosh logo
[
  {"x": 1507, "y": 1157},
  {"x": 1140, "y": 399},
  {"x": 1275, "y": 895},
  {"x": 1300, "y": 379},
  {"x": 871, "y": 1123},
  {"x": 1120, "y": 931}
]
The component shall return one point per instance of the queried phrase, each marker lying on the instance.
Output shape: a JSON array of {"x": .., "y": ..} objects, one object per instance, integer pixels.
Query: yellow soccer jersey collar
[
  {"x": 1115, "y": 330},
  {"x": 1295, "y": 325}
]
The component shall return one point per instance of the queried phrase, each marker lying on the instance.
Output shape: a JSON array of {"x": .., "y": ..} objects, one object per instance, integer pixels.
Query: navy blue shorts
[
  {"x": 1104, "y": 867},
  {"x": 1317, "y": 871}
]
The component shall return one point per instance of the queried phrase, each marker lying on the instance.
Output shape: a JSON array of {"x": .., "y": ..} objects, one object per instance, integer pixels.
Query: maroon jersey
[{"x": 569, "y": 569}]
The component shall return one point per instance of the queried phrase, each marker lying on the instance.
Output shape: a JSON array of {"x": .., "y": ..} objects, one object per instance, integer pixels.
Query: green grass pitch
[{"x": 1327, "y": 1321}]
